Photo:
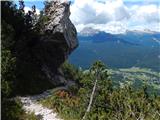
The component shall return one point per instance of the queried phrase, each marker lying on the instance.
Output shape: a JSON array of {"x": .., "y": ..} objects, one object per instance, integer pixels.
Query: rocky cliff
[
  {"x": 44, "y": 52},
  {"x": 59, "y": 39}
]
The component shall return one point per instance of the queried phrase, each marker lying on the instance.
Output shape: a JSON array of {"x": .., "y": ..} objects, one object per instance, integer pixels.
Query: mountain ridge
[
  {"x": 88, "y": 31},
  {"x": 122, "y": 50}
]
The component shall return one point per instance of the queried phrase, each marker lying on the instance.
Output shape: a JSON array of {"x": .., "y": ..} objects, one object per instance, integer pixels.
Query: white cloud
[
  {"x": 114, "y": 16},
  {"x": 91, "y": 11},
  {"x": 145, "y": 17},
  {"x": 146, "y": 13},
  {"x": 26, "y": 9}
]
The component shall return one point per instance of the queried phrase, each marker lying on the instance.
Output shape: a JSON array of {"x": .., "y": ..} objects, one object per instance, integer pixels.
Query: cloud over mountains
[{"x": 115, "y": 16}]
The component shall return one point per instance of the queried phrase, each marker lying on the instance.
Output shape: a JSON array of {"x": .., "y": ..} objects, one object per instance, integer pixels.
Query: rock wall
[{"x": 59, "y": 39}]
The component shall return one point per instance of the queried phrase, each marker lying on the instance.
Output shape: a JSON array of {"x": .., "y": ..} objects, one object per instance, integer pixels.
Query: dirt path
[{"x": 30, "y": 104}]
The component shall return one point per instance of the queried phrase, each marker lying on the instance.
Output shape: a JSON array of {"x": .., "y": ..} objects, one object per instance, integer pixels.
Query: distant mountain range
[
  {"x": 133, "y": 48},
  {"x": 135, "y": 37},
  {"x": 101, "y": 36},
  {"x": 88, "y": 31}
]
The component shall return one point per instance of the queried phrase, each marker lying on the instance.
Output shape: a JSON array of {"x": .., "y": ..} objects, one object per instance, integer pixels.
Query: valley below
[
  {"x": 131, "y": 58},
  {"x": 138, "y": 77}
]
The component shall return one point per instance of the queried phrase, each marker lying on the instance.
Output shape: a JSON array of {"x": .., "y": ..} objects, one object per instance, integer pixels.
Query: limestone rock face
[
  {"x": 59, "y": 39},
  {"x": 59, "y": 25}
]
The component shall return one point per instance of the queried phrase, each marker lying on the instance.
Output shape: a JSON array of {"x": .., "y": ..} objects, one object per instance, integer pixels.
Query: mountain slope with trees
[{"x": 130, "y": 49}]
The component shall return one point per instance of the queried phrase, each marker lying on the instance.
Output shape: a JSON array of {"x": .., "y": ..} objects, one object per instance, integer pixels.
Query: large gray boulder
[
  {"x": 58, "y": 40},
  {"x": 60, "y": 25}
]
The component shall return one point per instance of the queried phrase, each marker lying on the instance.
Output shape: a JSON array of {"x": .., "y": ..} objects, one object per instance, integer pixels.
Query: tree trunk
[{"x": 91, "y": 100}]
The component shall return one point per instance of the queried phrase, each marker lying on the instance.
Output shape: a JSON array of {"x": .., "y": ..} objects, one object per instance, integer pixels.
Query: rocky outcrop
[
  {"x": 39, "y": 55},
  {"x": 58, "y": 40},
  {"x": 59, "y": 27}
]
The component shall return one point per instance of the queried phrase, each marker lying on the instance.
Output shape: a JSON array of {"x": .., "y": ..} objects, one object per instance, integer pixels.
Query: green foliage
[
  {"x": 7, "y": 36},
  {"x": 15, "y": 71},
  {"x": 30, "y": 116},
  {"x": 8, "y": 69},
  {"x": 123, "y": 103},
  {"x": 12, "y": 110},
  {"x": 98, "y": 66},
  {"x": 20, "y": 72},
  {"x": 71, "y": 72}
]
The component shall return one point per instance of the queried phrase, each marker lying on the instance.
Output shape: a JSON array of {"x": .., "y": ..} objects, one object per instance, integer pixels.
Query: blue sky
[
  {"x": 40, "y": 5},
  {"x": 113, "y": 16}
]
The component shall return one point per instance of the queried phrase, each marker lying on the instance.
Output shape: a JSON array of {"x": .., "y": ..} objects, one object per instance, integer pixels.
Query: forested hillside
[{"x": 129, "y": 49}]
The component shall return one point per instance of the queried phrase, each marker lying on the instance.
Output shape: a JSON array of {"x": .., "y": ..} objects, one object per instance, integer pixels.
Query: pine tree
[{"x": 97, "y": 70}]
